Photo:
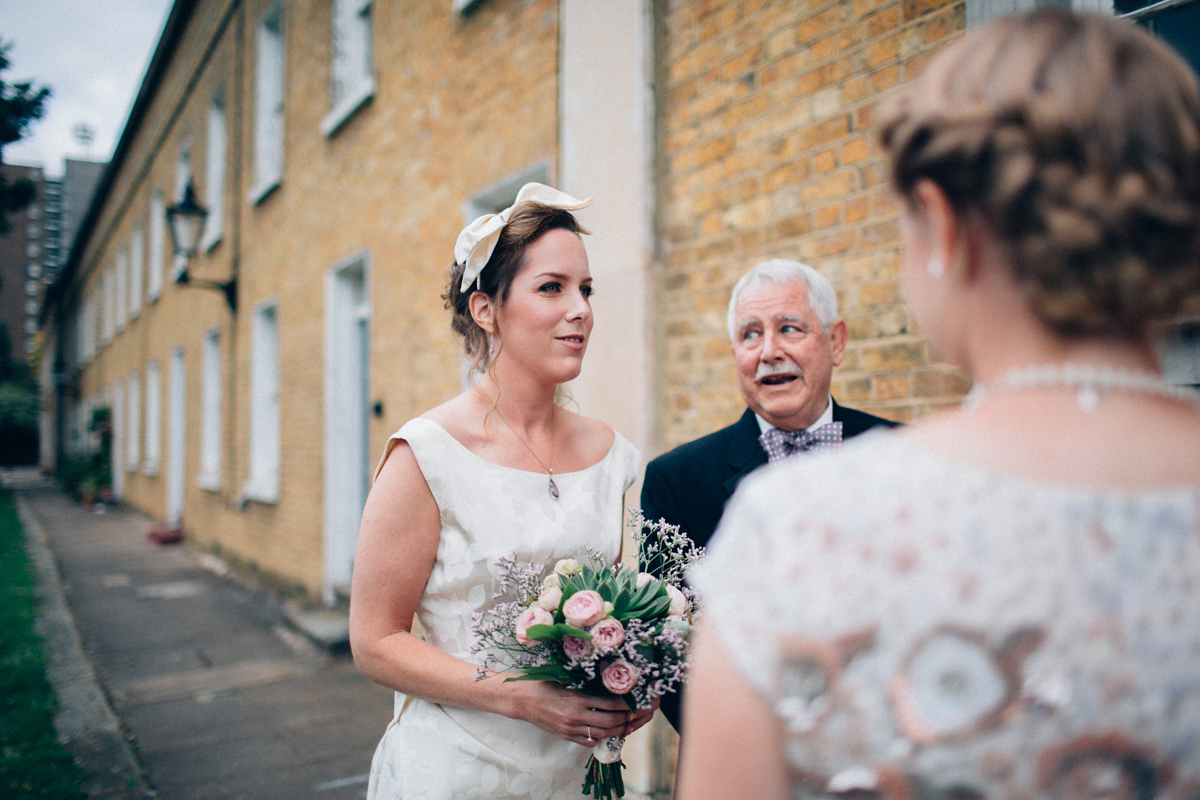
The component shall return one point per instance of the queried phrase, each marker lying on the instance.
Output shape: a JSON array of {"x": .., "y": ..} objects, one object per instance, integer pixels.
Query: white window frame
[
  {"x": 157, "y": 224},
  {"x": 137, "y": 270},
  {"x": 122, "y": 288},
  {"x": 216, "y": 147},
  {"x": 153, "y": 437},
  {"x": 265, "y": 417},
  {"x": 352, "y": 76},
  {"x": 133, "y": 426},
  {"x": 270, "y": 90},
  {"x": 109, "y": 318},
  {"x": 501, "y": 194},
  {"x": 209, "y": 476}
]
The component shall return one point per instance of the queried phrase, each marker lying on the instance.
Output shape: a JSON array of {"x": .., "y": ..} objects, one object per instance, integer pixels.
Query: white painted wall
[
  {"x": 606, "y": 153},
  {"x": 606, "y": 108}
]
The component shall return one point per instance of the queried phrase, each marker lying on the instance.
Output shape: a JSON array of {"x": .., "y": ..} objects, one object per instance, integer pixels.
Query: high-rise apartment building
[
  {"x": 38, "y": 244},
  {"x": 23, "y": 267}
]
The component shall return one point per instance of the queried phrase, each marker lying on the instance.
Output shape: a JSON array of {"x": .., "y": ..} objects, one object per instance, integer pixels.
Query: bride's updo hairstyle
[
  {"x": 528, "y": 223},
  {"x": 1076, "y": 139}
]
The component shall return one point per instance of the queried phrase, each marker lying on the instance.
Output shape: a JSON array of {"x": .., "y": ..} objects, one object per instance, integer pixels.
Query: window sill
[
  {"x": 210, "y": 242},
  {"x": 348, "y": 106},
  {"x": 259, "y": 494},
  {"x": 264, "y": 188},
  {"x": 209, "y": 482},
  {"x": 150, "y": 470}
]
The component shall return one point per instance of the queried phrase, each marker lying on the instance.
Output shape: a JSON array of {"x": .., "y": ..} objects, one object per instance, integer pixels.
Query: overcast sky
[{"x": 93, "y": 55}]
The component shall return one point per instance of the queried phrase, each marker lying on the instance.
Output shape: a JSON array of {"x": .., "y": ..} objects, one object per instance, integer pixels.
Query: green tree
[{"x": 20, "y": 104}]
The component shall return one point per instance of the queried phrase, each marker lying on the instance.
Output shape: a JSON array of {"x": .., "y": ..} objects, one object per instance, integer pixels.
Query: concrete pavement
[{"x": 179, "y": 682}]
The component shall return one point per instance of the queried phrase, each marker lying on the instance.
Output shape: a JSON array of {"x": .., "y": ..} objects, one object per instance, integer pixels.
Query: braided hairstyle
[
  {"x": 1076, "y": 138},
  {"x": 528, "y": 223}
]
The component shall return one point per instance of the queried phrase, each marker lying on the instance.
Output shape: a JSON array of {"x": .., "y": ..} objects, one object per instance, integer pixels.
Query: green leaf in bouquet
[
  {"x": 652, "y": 609},
  {"x": 627, "y": 580},
  {"x": 543, "y": 672},
  {"x": 556, "y": 632},
  {"x": 621, "y": 604},
  {"x": 568, "y": 588}
]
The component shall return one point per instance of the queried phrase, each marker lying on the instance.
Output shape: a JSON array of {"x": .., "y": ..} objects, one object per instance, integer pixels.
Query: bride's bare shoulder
[
  {"x": 459, "y": 417},
  {"x": 590, "y": 438}
]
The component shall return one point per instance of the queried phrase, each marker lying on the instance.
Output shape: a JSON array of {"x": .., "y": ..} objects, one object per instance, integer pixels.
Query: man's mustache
[{"x": 781, "y": 368}]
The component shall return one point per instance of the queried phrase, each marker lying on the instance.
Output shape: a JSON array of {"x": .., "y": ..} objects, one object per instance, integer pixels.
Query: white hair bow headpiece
[{"x": 477, "y": 241}]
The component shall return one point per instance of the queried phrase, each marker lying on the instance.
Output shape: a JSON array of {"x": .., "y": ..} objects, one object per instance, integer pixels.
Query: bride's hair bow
[{"x": 477, "y": 241}]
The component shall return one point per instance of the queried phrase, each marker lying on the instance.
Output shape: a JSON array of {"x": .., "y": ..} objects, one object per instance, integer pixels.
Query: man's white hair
[{"x": 821, "y": 297}]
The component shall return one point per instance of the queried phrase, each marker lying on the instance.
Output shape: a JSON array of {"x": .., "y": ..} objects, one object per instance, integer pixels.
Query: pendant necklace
[{"x": 549, "y": 470}]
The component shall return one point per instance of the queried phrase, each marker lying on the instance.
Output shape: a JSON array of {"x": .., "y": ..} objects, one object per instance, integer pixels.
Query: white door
[
  {"x": 347, "y": 457},
  {"x": 176, "y": 438},
  {"x": 117, "y": 418}
]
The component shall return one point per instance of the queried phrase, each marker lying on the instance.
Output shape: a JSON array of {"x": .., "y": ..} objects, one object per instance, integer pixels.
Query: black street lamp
[{"x": 186, "y": 221}]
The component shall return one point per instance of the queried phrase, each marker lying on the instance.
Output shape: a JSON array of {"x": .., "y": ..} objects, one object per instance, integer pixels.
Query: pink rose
[
  {"x": 576, "y": 648},
  {"x": 619, "y": 677},
  {"x": 583, "y": 608},
  {"x": 607, "y": 634},
  {"x": 534, "y": 615}
]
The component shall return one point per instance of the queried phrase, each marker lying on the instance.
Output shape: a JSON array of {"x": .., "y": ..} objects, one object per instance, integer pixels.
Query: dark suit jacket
[{"x": 689, "y": 486}]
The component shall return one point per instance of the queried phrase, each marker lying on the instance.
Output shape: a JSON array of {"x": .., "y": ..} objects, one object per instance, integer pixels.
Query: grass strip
[{"x": 33, "y": 764}]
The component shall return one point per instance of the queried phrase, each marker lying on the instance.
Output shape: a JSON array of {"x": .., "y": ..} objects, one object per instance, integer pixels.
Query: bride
[
  {"x": 999, "y": 603},
  {"x": 500, "y": 470}
]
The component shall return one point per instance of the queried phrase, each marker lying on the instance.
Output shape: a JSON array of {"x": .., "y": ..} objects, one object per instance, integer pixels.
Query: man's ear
[
  {"x": 482, "y": 311},
  {"x": 837, "y": 339}
]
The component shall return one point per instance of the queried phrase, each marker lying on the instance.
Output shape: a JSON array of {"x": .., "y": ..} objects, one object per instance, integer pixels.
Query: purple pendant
[{"x": 553, "y": 489}]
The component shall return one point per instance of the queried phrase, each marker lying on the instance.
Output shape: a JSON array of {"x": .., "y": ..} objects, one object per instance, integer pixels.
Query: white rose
[
  {"x": 550, "y": 597},
  {"x": 567, "y": 566},
  {"x": 552, "y": 580},
  {"x": 643, "y": 578},
  {"x": 679, "y": 603}
]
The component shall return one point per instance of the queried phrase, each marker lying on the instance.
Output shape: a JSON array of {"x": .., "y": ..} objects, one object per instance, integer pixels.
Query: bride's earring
[
  {"x": 491, "y": 347},
  {"x": 935, "y": 267}
]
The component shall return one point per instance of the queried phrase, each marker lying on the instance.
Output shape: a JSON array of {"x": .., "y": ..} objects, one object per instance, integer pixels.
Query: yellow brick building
[{"x": 340, "y": 145}]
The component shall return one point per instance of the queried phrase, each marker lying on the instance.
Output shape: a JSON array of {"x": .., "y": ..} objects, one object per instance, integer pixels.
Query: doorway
[
  {"x": 347, "y": 389},
  {"x": 176, "y": 438}
]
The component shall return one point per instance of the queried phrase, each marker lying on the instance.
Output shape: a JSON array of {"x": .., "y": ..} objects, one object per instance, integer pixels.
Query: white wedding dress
[
  {"x": 436, "y": 752},
  {"x": 925, "y": 628}
]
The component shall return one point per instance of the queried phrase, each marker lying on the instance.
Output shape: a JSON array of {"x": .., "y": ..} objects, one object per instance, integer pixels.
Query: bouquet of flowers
[{"x": 600, "y": 629}]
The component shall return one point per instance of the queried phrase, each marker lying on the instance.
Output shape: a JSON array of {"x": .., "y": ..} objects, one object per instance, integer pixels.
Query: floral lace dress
[
  {"x": 926, "y": 629},
  {"x": 435, "y": 752}
]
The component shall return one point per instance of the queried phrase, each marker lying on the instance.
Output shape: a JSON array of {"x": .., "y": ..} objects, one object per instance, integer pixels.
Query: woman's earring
[
  {"x": 935, "y": 267},
  {"x": 491, "y": 347}
]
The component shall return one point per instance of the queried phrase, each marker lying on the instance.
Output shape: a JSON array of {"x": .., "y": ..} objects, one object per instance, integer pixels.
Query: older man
[{"x": 787, "y": 339}]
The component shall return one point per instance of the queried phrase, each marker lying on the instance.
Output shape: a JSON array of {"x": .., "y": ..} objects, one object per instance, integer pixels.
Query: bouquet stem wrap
[{"x": 604, "y": 778}]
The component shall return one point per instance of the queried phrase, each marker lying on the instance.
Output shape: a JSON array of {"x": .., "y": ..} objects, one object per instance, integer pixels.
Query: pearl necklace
[{"x": 1090, "y": 381}]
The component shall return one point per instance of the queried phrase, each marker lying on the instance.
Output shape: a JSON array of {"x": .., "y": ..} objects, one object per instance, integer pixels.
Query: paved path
[{"x": 218, "y": 695}]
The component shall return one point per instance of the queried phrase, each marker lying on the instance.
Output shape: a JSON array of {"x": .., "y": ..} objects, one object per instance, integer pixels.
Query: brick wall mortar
[{"x": 770, "y": 154}]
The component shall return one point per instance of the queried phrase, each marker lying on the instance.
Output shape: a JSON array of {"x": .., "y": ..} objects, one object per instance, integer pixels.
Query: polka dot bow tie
[{"x": 781, "y": 444}]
